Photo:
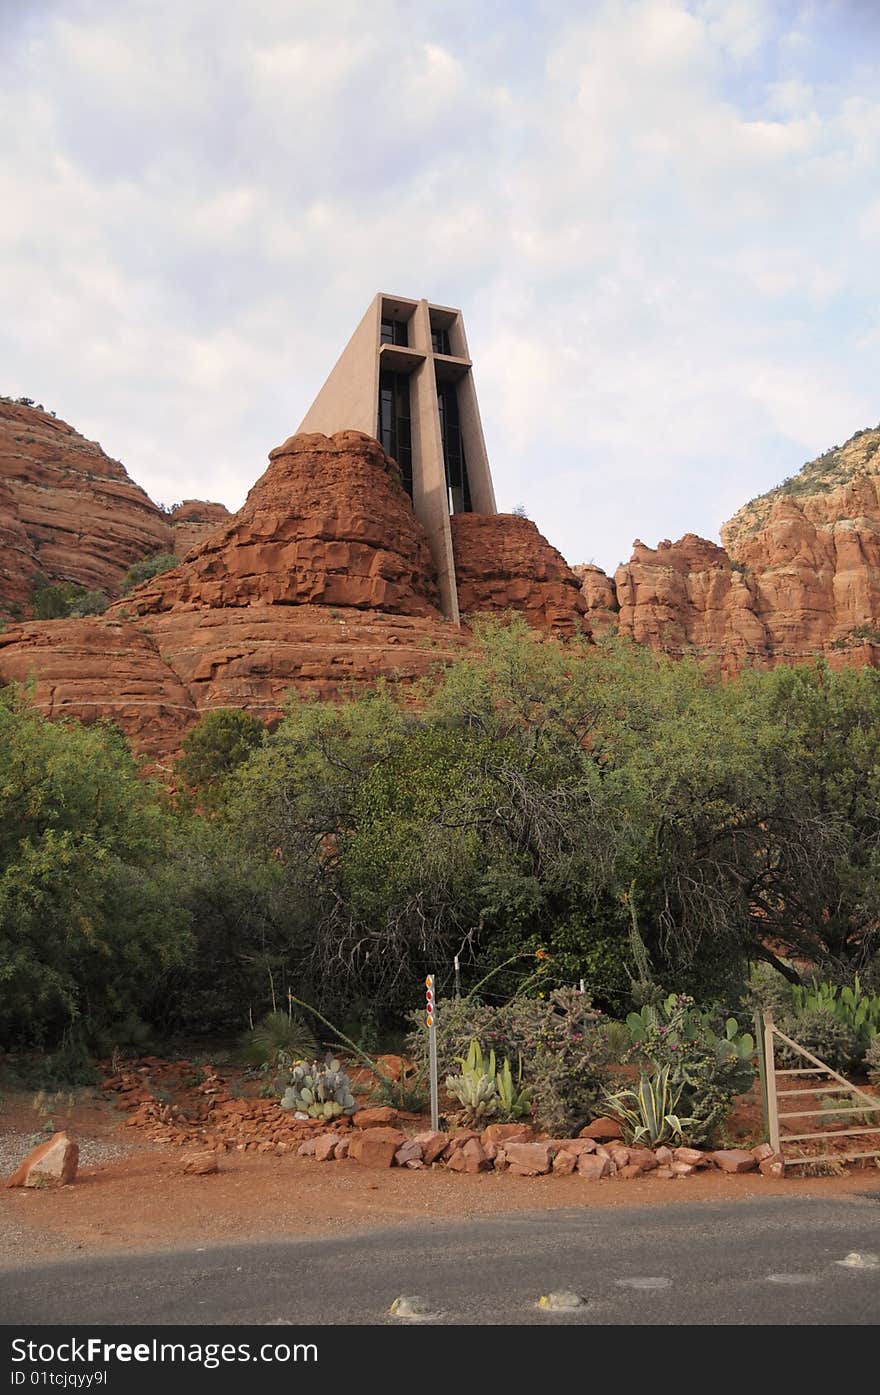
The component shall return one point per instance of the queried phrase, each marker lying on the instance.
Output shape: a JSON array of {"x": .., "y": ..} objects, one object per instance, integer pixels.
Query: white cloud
[{"x": 658, "y": 215}]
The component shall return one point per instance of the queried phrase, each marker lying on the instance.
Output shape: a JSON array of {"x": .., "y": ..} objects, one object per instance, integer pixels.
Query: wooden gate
[{"x": 780, "y": 1139}]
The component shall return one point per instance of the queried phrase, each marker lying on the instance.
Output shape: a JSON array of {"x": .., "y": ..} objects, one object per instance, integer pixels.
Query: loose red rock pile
[
  {"x": 211, "y": 1120},
  {"x": 207, "y": 1114}
]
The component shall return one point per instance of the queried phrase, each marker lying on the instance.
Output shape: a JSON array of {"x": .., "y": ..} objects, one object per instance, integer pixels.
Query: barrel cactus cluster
[{"x": 320, "y": 1089}]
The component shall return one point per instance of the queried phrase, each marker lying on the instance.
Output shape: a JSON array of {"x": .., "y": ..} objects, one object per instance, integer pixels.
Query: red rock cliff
[
  {"x": 503, "y": 563},
  {"x": 67, "y": 511},
  {"x": 799, "y": 574},
  {"x": 192, "y": 522}
]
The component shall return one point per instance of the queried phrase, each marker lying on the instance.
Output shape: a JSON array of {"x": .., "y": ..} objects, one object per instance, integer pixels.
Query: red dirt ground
[{"x": 134, "y": 1195}]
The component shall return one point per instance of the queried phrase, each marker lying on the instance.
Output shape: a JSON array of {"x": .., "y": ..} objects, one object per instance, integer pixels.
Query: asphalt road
[{"x": 773, "y": 1261}]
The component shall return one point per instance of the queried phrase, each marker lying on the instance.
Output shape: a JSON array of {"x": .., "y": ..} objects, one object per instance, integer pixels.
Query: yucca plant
[
  {"x": 279, "y": 1039},
  {"x": 647, "y": 1115}
]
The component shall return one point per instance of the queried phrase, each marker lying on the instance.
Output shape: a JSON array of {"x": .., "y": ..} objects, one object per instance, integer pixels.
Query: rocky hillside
[
  {"x": 838, "y": 468},
  {"x": 67, "y": 511},
  {"x": 798, "y": 575},
  {"x": 70, "y": 513},
  {"x": 322, "y": 584}
]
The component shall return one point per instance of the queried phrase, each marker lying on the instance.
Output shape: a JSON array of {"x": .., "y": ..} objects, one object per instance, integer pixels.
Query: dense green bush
[
  {"x": 90, "y": 603},
  {"x": 64, "y": 599},
  {"x": 221, "y": 740},
  {"x": 149, "y": 567},
  {"x": 87, "y": 925}
]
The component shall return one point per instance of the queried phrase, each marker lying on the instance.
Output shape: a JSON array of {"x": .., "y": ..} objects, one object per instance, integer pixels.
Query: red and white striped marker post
[{"x": 431, "y": 1023}]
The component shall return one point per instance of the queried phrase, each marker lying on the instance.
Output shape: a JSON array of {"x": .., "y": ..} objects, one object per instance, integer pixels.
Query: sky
[{"x": 661, "y": 219}]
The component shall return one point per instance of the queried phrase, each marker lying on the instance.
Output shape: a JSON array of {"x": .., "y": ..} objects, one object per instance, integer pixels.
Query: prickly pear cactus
[{"x": 320, "y": 1089}]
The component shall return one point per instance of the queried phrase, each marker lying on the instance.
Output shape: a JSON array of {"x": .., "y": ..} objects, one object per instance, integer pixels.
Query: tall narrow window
[
  {"x": 394, "y": 332},
  {"x": 440, "y": 341},
  {"x": 457, "y": 486},
  {"x": 394, "y": 426}
]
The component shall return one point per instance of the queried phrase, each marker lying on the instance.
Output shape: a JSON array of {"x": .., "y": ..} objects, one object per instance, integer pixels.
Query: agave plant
[
  {"x": 487, "y": 1092},
  {"x": 514, "y": 1101},
  {"x": 475, "y": 1088},
  {"x": 647, "y": 1115},
  {"x": 321, "y": 1089}
]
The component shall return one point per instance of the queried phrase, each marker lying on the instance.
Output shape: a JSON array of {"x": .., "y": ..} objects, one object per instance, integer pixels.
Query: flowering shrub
[{"x": 561, "y": 1041}]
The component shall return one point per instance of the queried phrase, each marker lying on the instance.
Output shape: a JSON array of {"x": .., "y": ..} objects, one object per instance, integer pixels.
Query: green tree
[
  {"x": 221, "y": 740},
  {"x": 87, "y": 928}
]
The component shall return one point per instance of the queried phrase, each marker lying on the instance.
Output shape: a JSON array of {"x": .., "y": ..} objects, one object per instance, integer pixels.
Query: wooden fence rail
[{"x": 863, "y": 1103}]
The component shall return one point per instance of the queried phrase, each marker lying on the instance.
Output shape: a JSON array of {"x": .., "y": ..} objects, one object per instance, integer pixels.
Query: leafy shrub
[
  {"x": 872, "y": 1061},
  {"x": 65, "y": 598},
  {"x": 90, "y": 603},
  {"x": 88, "y": 922},
  {"x": 54, "y": 602},
  {"x": 149, "y": 567},
  {"x": 221, "y": 740},
  {"x": 560, "y": 1041}
]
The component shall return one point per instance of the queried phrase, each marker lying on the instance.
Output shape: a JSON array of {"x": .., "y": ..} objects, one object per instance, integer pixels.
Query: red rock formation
[
  {"x": 799, "y": 574},
  {"x": 686, "y": 596},
  {"x": 192, "y": 522},
  {"x": 329, "y": 523},
  {"x": 237, "y": 623},
  {"x": 600, "y": 598},
  {"x": 100, "y": 667},
  {"x": 503, "y": 563},
  {"x": 812, "y": 550},
  {"x": 67, "y": 511}
]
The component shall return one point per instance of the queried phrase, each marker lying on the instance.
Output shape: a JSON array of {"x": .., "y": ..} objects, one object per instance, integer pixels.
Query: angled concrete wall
[{"x": 349, "y": 400}]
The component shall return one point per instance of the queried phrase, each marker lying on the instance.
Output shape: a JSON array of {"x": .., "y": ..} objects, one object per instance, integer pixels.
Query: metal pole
[
  {"x": 457, "y": 977},
  {"x": 431, "y": 1023},
  {"x": 770, "y": 1071}
]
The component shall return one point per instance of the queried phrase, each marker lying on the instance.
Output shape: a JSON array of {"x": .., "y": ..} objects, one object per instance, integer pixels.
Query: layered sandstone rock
[
  {"x": 102, "y": 667},
  {"x": 329, "y": 523},
  {"x": 686, "y": 596},
  {"x": 812, "y": 547},
  {"x": 67, "y": 511},
  {"x": 322, "y": 585},
  {"x": 503, "y": 563},
  {"x": 193, "y": 521},
  {"x": 798, "y": 575},
  {"x": 600, "y": 599}
]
